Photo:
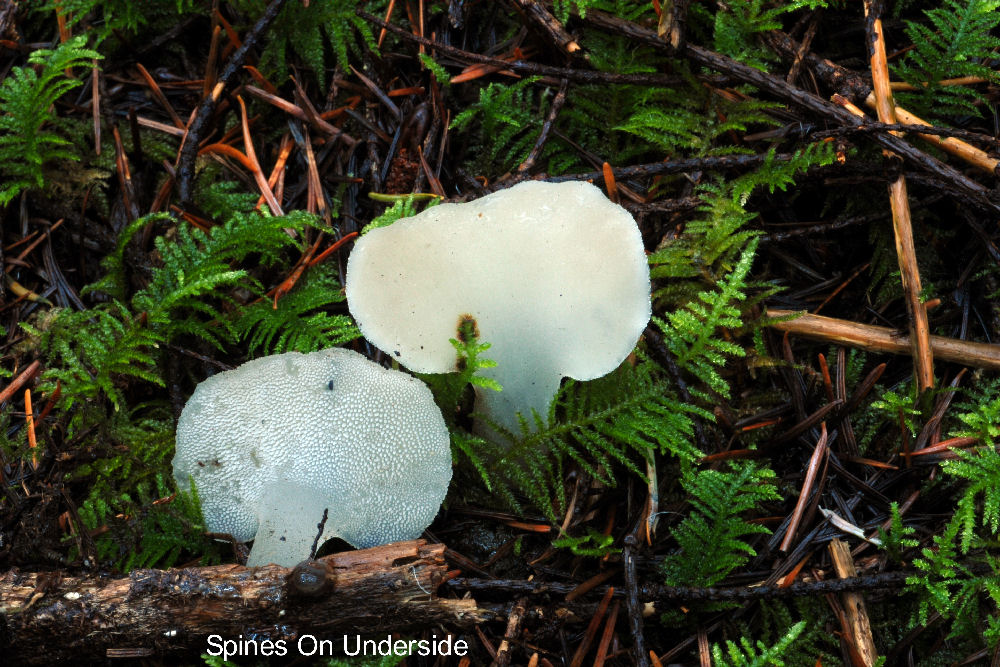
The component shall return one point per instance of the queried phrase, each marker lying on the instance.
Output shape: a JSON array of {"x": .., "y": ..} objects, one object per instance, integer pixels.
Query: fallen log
[{"x": 51, "y": 616}]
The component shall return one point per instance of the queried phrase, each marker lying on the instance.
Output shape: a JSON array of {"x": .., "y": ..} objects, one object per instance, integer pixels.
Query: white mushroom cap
[
  {"x": 271, "y": 444},
  {"x": 555, "y": 275}
]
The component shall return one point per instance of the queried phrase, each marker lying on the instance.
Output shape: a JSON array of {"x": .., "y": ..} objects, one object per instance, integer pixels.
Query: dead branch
[
  {"x": 160, "y": 612},
  {"x": 884, "y": 339}
]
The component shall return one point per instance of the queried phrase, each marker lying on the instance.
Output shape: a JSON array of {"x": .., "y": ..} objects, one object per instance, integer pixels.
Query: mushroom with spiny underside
[{"x": 273, "y": 444}]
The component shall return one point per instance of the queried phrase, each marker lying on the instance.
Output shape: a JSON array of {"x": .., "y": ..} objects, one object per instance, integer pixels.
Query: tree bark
[{"x": 48, "y": 617}]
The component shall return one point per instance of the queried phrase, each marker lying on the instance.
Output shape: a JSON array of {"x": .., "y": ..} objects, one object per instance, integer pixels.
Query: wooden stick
[
  {"x": 251, "y": 154},
  {"x": 884, "y": 339},
  {"x": 172, "y": 612},
  {"x": 923, "y": 360},
  {"x": 514, "y": 620},
  {"x": 960, "y": 81},
  {"x": 957, "y": 147},
  {"x": 860, "y": 629},
  {"x": 548, "y": 24}
]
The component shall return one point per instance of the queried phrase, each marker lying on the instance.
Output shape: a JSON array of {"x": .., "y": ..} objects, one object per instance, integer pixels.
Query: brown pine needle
[
  {"x": 610, "y": 184},
  {"x": 158, "y": 95},
  {"x": 258, "y": 175},
  {"x": 807, "y": 486},
  {"x": 29, "y": 420}
]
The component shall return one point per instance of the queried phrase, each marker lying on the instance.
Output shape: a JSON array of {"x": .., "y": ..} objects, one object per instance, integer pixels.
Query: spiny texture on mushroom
[
  {"x": 554, "y": 274},
  {"x": 272, "y": 444}
]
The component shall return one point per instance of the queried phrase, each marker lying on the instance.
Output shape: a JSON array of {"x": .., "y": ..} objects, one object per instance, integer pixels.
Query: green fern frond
[
  {"x": 307, "y": 31},
  {"x": 198, "y": 264},
  {"x": 958, "y": 40},
  {"x": 981, "y": 418},
  {"x": 618, "y": 419},
  {"x": 738, "y": 24},
  {"x": 448, "y": 388},
  {"x": 898, "y": 537},
  {"x": 591, "y": 109},
  {"x": 900, "y": 406},
  {"x": 95, "y": 349},
  {"x": 108, "y": 16},
  {"x": 439, "y": 72},
  {"x": 692, "y": 333},
  {"x": 594, "y": 544},
  {"x": 133, "y": 448},
  {"x": 979, "y": 505},
  {"x": 948, "y": 581},
  {"x": 28, "y": 130},
  {"x": 91, "y": 350},
  {"x": 507, "y": 120},
  {"x": 710, "y": 245},
  {"x": 945, "y": 584},
  {"x": 814, "y": 644},
  {"x": 775, "y": 174},
  {"x": 298, "y": 321},
  {"x": 401, "y": 208},
  {"x": 562, "y": 8},
  {"x": 136, "y": 532},
  {"x": 712, "y": 538},
  {"x": 746, "y": 654},
  {"x": 713, "y": 243},
  {"x": 693, "y": 119}
]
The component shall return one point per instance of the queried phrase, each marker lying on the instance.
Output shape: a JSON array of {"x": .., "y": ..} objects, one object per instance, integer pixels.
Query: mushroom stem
[
  {"x": 524, "y": 393},
  {"x": 289, "y": 524}
]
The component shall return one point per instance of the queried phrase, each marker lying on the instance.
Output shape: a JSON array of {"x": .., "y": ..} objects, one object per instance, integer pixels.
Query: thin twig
[
  {"x": 543, "y": 136},
  {"x": 541, "y": 17},
  {"x": 971, "y": 154},
  {"x": 859, "y": 627},
  {"x": 569, "y": 73},
  {"x": 632, "y": 602},
  {"x": 23, "y": 378},
  {"x": 883, "y": 339}
]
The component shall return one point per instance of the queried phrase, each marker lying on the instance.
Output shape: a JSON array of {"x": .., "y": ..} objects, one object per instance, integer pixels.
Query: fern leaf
[
  {"x": 618, "y": 419},
  {"x": 691, "y": 333},
  {"x": 957, "y": 41},
  {"x": 712, "y": 538},
  {"x": 507, "y": 123},
  {"x": 746, "y": 654},
  {"x": 27, "y": 137},
  {"x": 298, "y": 321}
]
